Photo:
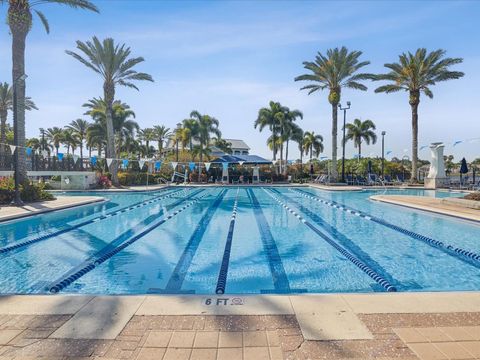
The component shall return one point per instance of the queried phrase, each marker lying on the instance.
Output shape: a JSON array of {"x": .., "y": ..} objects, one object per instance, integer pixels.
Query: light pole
[
  {"x": 16, "y": 200},
  {"x": 343, "y": 142},
  {"x": 383, "y": 153}
]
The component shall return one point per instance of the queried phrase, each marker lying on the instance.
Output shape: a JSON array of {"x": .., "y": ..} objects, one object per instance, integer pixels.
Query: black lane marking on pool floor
[
  {"x": 279, "y": 276},
  {"x": 466, "y": 256},
  {"x": 357, "y": 262},
  {"x": 222, "y": 275},
  {"x": 175, "y": 282},
  {"x": 49, "y": 235},
  {"x": 120, "y": 243},
  {"x": 348, "y": 244}
]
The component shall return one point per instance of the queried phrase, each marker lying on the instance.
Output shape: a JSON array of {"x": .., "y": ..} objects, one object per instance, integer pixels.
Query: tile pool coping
[{"x": 320, "y": 316}]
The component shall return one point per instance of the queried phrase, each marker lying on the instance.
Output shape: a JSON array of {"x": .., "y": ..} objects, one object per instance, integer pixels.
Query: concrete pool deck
[
  {"x": 440, "y": 206},
  {"x": 308, "y": 326},
  {"x": 60, "y": 203}
]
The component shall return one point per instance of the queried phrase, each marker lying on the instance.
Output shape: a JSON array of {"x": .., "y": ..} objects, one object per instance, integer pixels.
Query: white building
[{"x": 239, "y": 147}]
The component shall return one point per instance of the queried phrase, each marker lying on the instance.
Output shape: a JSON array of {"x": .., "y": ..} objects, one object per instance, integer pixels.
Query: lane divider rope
[
  {"x": 62, "y": 284},
  {"x": 49, "y": 235},
  {"x": 448, "y": 249},
  {"x": 357, "y": 262},
  {"x": 222, "y": 276}
]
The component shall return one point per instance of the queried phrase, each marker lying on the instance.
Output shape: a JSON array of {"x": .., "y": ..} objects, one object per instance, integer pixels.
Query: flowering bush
[{"x": 104, "y": 182}]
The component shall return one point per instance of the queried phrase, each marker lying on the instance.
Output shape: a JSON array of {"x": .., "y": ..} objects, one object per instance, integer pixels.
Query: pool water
[{"x": 239, "y": 240}]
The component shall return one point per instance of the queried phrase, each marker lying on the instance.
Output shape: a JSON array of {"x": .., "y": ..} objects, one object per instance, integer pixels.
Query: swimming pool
[{"x": 239, "y": 240}]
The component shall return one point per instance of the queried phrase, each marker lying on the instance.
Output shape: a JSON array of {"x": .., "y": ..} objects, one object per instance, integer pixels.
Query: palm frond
[
  {"x": 76, "y": 4},
  {"x": 44, "y": 21}
]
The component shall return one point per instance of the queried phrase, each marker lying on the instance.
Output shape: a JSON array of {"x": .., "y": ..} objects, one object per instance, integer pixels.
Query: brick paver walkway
[{"x": 396, "y": 336}]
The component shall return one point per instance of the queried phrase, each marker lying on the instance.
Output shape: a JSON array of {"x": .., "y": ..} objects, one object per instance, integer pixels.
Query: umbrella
[{"x": 463, "y": 168}]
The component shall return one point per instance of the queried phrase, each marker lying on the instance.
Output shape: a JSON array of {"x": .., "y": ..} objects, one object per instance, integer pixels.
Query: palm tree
[
  {"x": 298, "y": 136},
  {"x": 206, "y": 126},
  {"x": 147, "y": 135},
  {"x": 6, "y": 105},
  {"x": 270, "y": 117},
  {"x": 337, "y": 70},
  {"x": 55, "y": 136},
  {"x": 162, "y": 133},
  {"x": 79, "y": 128},
  {"x": 359, "y": 131},
  {"x": 191, "y": 127},
  {"x": 123, "y": 126},
  {"x": 312, "y": 144},
  {"x": 70, "y": 140},
  {"x": 287, "y": 128},
  {"x": 416, "y": 73},
  {"x": 20, "y": 22},
  {"x": 113, "y": 64}
]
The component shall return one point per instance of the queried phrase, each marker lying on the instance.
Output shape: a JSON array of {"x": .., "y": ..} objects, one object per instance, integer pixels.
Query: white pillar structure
[
  {"x": 225, "y": 178},
  {"x": 436, "y": 175}
]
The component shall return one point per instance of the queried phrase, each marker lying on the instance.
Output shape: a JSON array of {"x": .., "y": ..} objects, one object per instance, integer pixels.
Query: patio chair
[
  {"x": 372, "y": 179},
  {"x": 350, "y": 180},
  {"x": 360, "y": 180},
  {"x": 387, "y": 180}
]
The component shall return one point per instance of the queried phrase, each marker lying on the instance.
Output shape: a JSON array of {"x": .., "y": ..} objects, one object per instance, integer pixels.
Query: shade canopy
[{"x": 245, "y": 159}]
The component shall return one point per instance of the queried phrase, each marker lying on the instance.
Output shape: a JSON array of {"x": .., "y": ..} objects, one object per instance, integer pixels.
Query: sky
[{"x": 230, "y": 58}]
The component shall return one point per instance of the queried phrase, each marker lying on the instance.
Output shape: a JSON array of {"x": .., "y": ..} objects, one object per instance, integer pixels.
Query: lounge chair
[
  {"x": 350, "y": 180},
  {"x": 359, "y": 180},
  {"x": 372, "y": 179},
  {"x": 387, "y": 180}
]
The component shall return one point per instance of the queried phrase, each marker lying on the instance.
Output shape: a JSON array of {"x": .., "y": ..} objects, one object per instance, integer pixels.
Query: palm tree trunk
[
  {"x": 3, "y": 137},
  {"x": 286, "y": 159},
  {"x": 334, "y": 172},
  {"x": 281, "y": 158},
  {"x": 359, "y": 149},
  {"x": 414, "y": 105},
  {"x": 81, "y": 154},
  {"x": 19, "y": 30},
  {"x": 109, "y": 95}
]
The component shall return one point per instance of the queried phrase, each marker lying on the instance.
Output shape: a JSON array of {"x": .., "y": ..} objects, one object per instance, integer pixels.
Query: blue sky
[{"x": 228, "y": 59}]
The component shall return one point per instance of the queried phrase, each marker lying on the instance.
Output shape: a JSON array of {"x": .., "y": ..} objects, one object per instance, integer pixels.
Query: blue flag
[
  {"x": 93, "y": 160},
  {"x": 29, "y": 151},
  {"x": 125, "y": 163},
  {"x": 60, "y": 156},
  {"x": 158, "y": 164},
  {"x": 191, "y": 166}
]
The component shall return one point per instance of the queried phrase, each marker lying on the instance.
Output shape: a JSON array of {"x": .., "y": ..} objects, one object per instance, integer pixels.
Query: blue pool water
[{"x": 239, "y": 240}]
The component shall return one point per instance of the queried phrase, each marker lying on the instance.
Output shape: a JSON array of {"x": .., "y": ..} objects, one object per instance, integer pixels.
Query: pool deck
[
  {"x": 60, "y": 203},
  {"x": 330, "y": 326},
  {"x": 436, "y": 205}
]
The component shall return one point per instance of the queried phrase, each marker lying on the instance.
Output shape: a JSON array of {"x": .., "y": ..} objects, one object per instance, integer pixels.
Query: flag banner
[
  {"x": 60, "y": 156},
  {"x": 241, "y": 163},
  {"x": 324, "y": 157},
  {"x": 225, "y": 165},
  {"x": 93, "y": 160},
  {"x": 174, "y": 165},
  {"x": 44, "y": 153},
  {"x": 75, "y": 158},
  {"x": 28, "y": 150},
  {"x": 457, "y": 142},
  {"x": 423, "y": 147},
  {"x": 389, "y": 152},
  {"x": 207, "y": 166},
  {"x": 158, "y": 165},
  {"x": 109, "y": 162},
  {"x": 125, "y": 163},
  {"x": 12, "y": 148},
  {"x": 141, "y": 163},
  {"x": 191, "y": 166}
]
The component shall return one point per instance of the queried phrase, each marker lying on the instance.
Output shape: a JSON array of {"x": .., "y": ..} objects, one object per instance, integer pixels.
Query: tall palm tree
[
  {"x": 298, "y": 136},
  {"x": 6, "y": 105},
  {"x": 287, "y": 127},
  {"x": 55, "y": 136},
  {"x": 337, "y": 70},
  {"x": 113, "y": 64},
  {"x": 270, "y": 117},
  {"x": 206, "y": 126},
  {"x": 19, "y": 20},
  {"x": 191, "y": 127},
  {"x": 162, "y": 133},
  {"x": 416, "y": 73},
  {"x": 223, "y": 145},
  {"x": 79, "y": 128},
  {"x": 312, "y": 144},
  {"x": 359, "y": 131}
]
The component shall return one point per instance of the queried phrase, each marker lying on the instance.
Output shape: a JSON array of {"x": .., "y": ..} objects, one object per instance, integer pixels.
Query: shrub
[
  {"x": 473, "y": 196},
  {"x": 28, "y": 191}
]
